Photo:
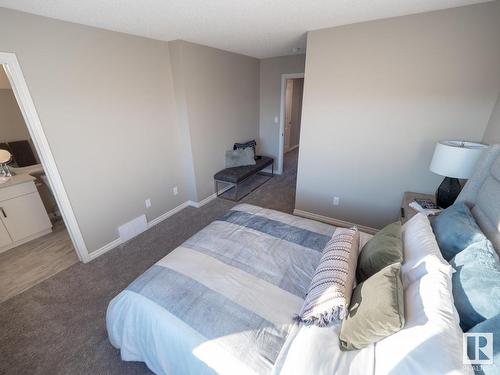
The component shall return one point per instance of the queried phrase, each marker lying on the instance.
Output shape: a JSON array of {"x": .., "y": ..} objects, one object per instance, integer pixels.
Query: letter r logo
[{"x": 478, "y": 348}]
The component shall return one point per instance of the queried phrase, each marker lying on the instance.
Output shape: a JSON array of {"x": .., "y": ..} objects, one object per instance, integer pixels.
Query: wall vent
[{"x": 133, "y": 228}]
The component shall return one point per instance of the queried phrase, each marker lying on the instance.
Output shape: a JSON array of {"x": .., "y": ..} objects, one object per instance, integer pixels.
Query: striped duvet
[{"x": 224, "y": 301}]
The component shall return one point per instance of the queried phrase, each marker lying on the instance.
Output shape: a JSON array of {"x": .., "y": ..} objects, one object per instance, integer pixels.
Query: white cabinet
[
  {"x": 5, "y": 239},
  {"x": 22, "y": 214}
]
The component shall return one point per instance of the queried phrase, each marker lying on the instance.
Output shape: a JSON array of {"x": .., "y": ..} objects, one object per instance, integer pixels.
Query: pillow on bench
[{"x": 240, "y": 157}]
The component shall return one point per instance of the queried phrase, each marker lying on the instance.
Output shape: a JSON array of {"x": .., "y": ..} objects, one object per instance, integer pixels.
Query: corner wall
[
  {"x": 217, "y": 94},
  {"x": 129, "y": 118},
  {"x": 106, "y": 104},
  {"x": 378, "y": 96}
]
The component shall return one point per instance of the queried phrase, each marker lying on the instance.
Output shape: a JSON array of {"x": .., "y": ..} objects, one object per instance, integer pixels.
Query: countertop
[{"x": 17, "y": 179}]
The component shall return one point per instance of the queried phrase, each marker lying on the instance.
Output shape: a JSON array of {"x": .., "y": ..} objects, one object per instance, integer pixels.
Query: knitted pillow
[{"x": 331, "y": 287}]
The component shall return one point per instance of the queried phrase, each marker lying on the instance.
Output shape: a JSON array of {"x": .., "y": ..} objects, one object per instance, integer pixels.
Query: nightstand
[{"x": 406, "y": 211}]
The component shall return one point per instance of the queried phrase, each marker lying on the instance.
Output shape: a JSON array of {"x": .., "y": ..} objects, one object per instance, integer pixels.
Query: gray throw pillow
[
  {"x": 376, "y": 310},
  {"x": 240, "y": 157},
  {"x": 383, "y": 249}
]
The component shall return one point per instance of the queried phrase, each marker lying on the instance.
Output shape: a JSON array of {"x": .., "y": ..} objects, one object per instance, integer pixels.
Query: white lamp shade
[
  {"x": 456, "y": 159},
  {"x": 4, "y": 156}
]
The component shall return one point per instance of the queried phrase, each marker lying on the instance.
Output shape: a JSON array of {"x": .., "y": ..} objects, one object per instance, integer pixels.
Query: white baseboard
[
  {"x": 329, "y": 220},
  {"x": 104, "y": 249},
  {"x": 208, "y": 199},
  {"x": 333, "y": 221},
  {"x": 203, "y": 201},
  {"x": 152, "y": 223},
  {"x": 166, "y": 215}
]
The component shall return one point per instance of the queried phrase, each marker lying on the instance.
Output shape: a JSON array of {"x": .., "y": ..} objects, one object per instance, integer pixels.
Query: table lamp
[
  {"x": 5, "y": 157},
  {"x": 455, "y": 160}
]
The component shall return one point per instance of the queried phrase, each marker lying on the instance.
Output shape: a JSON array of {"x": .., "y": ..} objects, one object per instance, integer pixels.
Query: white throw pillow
[
  {"x": 421, "y": 251},
  {"x": 330, "y": 291},
  {"x": 431, "y": 341}
]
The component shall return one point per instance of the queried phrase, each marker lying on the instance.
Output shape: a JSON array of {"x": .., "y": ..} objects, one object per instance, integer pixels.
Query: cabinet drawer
[{"x": 17, "y": 190}]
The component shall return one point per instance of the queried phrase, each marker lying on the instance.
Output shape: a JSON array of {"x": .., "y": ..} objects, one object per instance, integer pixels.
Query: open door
[{"x": 288, "y": 113}]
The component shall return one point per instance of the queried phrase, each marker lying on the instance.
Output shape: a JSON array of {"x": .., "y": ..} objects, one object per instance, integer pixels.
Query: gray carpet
[{"x": 58, "y": 326}]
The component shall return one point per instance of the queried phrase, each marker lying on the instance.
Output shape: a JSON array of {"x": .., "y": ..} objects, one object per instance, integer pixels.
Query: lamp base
[{"x": 448, "y": 192}]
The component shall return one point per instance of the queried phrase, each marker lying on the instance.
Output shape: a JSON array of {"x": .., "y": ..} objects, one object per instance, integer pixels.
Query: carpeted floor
[{"x": 58, "y": 326}]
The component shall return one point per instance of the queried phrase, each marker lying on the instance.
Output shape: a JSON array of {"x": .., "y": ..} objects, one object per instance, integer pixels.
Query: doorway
[
  {"x": 39, "y": 235},
  {"x": 292, "y": 89}
]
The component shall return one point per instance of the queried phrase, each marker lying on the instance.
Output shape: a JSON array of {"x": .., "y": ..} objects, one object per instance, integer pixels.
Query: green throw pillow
[
  {"x": 376, "y": 310},
  {"x": 386, "y": 247}
]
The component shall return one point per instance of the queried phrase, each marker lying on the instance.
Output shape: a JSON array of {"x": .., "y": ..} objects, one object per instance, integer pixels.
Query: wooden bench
[{"x": 235, "y": 177}]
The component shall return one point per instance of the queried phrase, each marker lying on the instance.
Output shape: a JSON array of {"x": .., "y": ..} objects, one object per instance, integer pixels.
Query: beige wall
[
  {"x": 129, "y": 118},
  {"x": 270, "y": 95},
  {"x": 297, "y": 94},
  {"x": 218, "y": 100},
  {"x": 492, "y": 133},
  {"x": 12, "y": 126},
  {"x": 107, "y": 107},
  {"x": 377, "y": 97},
  {"x": 4, "y": 81}
]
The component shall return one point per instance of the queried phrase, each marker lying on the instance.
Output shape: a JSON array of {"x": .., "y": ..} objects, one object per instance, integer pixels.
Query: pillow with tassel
[{"x": 331, "y": 287}]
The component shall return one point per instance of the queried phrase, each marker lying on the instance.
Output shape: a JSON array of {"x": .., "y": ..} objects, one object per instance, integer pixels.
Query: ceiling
[
  {"x": 259, "y": 28},
  {"x": 4, "y": 81}
]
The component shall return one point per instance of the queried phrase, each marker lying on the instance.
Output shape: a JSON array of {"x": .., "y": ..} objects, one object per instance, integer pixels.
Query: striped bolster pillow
[{"x": 331, "y": 287}]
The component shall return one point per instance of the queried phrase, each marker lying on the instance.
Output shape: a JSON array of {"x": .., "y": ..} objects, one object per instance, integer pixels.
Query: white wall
[
  {"x": 218, "y": 100},
  {"x": 107, "y": 106},
  {"x": 270, "y": 96},
  {"x": 377, "y": 97},
  {"x": 492, "y": 133}
]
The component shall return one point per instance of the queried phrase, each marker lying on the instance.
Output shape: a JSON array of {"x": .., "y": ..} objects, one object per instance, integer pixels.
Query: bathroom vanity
[{"x": 22, "y": 214}]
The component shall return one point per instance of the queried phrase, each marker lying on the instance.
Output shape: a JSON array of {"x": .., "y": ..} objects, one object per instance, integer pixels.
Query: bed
[{"x": 223, "y": 302}]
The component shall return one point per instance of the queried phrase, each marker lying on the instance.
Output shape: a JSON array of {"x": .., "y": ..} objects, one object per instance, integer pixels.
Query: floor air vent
[{"x": 133, "y": 228}]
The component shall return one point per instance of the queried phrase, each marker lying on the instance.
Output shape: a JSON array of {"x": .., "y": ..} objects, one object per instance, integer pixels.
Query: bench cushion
[{"x": 237, "y": 174}]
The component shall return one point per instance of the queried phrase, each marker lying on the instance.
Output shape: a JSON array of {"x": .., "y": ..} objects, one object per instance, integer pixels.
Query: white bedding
[
  {"x": 223, "y": 302},
  {"x": 167, "y": 345},
  {"x": 315, "y": 350}
]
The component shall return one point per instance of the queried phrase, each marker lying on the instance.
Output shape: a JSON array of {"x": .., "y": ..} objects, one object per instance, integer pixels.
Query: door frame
[
  {"x": 281, "y": 147},
  {"x": 35, "y": 129}
]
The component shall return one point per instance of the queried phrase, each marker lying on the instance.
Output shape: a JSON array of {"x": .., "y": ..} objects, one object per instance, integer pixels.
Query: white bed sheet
[{"x": 145, "y": 331}]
